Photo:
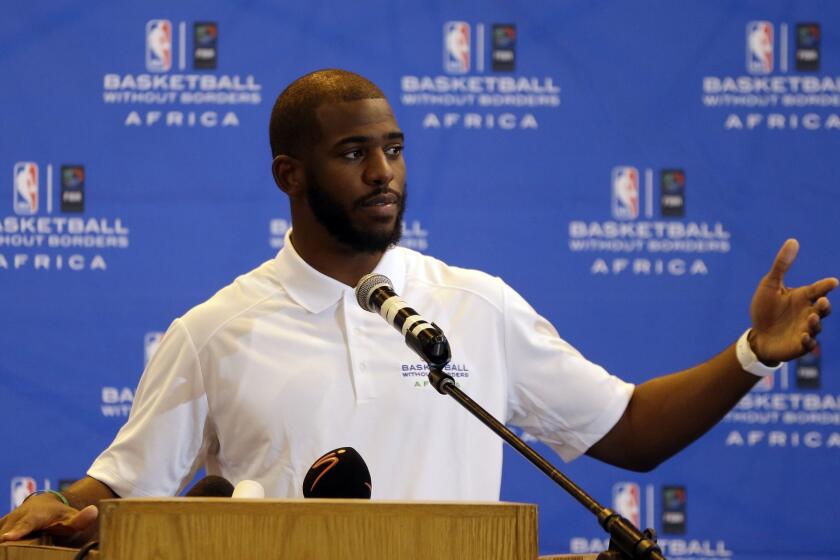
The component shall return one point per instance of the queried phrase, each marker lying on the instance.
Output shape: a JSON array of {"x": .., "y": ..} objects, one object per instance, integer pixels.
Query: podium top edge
[{"x": 299, "y": 501}]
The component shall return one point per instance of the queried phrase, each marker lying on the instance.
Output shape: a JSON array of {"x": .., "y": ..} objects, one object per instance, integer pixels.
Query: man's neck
[{"x": 333, "y": 259}]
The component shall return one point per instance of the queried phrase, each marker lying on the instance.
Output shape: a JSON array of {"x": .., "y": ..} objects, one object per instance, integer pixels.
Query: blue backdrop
[{"x": 630, "y": 168}]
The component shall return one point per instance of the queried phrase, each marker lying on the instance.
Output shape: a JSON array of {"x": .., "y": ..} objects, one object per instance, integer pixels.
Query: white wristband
[{"x": 749, "y": 361}]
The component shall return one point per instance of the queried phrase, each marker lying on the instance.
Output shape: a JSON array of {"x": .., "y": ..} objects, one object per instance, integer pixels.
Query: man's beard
[{"x": 338, "y": 222}]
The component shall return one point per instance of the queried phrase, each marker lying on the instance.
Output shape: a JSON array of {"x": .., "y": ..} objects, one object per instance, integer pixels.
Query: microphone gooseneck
[{"x": 375, "y": 293}]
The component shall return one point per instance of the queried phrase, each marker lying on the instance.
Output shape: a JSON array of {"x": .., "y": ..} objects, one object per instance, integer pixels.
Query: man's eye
[
  {"x": 394, "y": 151},
  {"x": 355, "y": 154}
]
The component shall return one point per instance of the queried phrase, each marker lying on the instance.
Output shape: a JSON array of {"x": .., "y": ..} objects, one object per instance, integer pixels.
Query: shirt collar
[{"x": 315, "y": 291}]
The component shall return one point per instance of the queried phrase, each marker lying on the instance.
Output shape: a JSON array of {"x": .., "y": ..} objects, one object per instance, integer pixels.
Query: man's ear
[{"x": 288, "y": 174}]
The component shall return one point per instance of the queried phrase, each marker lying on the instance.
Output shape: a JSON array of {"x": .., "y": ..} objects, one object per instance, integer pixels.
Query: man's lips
[{"x": 382, "y": 199}]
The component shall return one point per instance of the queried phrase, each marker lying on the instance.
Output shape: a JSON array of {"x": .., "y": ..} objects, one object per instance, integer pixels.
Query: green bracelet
[{"x": 56, "y": 493}]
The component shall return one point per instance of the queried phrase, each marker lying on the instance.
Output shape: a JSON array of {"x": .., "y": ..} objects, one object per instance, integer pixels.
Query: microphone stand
[{"x": 626, "y": 541}]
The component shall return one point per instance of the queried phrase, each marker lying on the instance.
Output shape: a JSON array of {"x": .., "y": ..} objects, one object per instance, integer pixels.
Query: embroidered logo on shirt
[{"x": 418, "y": 373}]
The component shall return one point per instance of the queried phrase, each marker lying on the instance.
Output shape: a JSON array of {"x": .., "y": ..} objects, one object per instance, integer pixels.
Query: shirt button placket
[{"x": 358, "y": 358}]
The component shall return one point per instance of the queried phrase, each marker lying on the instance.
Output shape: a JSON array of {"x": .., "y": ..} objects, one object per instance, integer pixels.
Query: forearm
[
  {"x": 677, "y": 409},
  {"x": 667, "y": 413},
  {"x": 88, "y": 491}
]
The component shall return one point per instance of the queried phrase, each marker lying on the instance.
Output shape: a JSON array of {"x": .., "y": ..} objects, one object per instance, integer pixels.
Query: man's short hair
[{"x": 294, "y": 127}]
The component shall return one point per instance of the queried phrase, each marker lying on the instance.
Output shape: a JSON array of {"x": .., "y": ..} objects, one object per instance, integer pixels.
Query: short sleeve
[
  {"x": 554, "y": 393},
  {"x": 163, "y": 442}
]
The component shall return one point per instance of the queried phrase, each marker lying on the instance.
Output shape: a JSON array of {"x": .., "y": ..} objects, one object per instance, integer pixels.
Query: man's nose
[{"x": 378, "y": 171}]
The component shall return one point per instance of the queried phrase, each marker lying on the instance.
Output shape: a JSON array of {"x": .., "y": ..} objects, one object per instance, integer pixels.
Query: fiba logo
[
  {"x": 504, "y": 47},
  {"x": 158, "y": 45},
  {"x": 625, "y": 193},
  {"x": 456, "y": 47},
  {"x": 760, "y": 47},
  {"x": 808, "y": 369},
  {"x": 26, "y": 188},
  {"x": 808, "y": 47},
  {"x": 205, "y": 45},
  {"x": 672, "y": 192},
  {"x": 627, "y": 501},
  {"x": 72, "y": 188},
  {"x": 674, "y": 499}
]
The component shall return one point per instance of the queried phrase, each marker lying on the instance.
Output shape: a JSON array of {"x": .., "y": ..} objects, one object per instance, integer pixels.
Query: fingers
[
  {"x": 78, "y": 523},
  {"x": 808, "y": 342},
  {"x": 85, "y": 518},
  {"x": 784, "y": 258},
  {"x": 18, "y": 530},
  {"x": 820, "y": 288},
  {"x": 814, "y": 326},
  {"x": 820, "y": 310},
  {"x": 823, "y": 307}
]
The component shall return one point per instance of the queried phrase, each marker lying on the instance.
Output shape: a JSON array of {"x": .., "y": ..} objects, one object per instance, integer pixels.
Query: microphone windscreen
[
  {"x": 367, "y": 284},
  {"x": 341, "y": 473},
  {"x": 211, "y": 487},
  {"x": 249, "y": 489}
]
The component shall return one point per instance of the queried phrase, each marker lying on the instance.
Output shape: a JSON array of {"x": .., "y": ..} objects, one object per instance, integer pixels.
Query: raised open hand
[{"x": 786, "y": 321}]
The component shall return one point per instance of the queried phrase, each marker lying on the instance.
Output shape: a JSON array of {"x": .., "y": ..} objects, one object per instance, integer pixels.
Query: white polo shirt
[{"x": 283, "y": 365}]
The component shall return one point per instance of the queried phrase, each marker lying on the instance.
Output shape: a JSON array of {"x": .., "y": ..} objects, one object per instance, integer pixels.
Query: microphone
[
  {"x": 375, "y": 293},
  {"x": 341, "y": 473},
  {"x": 249, "y": 489},
  {"x": 211, "y": 487}
]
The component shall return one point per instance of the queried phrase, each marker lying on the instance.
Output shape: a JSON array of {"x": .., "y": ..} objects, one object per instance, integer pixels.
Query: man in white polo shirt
[{"x": 283, "y": 364}]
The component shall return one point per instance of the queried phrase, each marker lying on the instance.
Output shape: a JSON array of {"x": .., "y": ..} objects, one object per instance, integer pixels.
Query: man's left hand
[{"x": 786, "y": 321}]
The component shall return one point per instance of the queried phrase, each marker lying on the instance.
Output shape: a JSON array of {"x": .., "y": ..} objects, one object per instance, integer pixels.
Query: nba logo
[
  {"x": 627, "y": 501},
  {"x": 22, "y": 486},
  {"x": 456, "y": 47},
  {"x": 625, "y": 193},
  {"x": 150, "y": 345},
  {"x": 25, "y": 188},
  {"x": 759, "y": 47},
  {"x": 158, "y": 45}
]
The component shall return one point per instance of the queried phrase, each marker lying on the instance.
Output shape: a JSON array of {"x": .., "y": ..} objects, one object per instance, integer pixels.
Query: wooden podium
[{"x": 223, "y": 528}]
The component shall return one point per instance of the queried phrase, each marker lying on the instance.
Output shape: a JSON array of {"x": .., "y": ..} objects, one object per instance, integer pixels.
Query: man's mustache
[{"x": 385, "y": 190}]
